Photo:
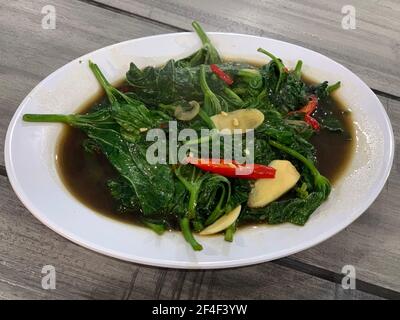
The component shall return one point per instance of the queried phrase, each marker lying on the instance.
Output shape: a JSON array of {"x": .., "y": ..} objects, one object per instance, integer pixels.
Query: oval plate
[{"x": 30, "y": 152}]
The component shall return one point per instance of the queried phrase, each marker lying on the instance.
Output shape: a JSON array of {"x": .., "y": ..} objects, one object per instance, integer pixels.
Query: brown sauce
[{"x": 85, "y": 175}]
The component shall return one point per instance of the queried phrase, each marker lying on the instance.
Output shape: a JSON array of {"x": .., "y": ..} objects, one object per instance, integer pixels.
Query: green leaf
[
  {"x": 130, "y": 161},
  {"x": 169, "y": 83},
  {"x": 296, "y": 210}
]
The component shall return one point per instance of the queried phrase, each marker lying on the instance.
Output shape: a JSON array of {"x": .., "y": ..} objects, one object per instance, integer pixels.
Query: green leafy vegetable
[
  {"x": 279, "y": 65},
  {"x": 169, "y": 83},
  {"x": 211, "y": 103},
  {"x": 163, "y": 196},
  {"x": 205, "y": 55}
]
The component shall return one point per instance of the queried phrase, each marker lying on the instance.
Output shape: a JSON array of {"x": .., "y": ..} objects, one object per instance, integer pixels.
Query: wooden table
[{"x": 29, "y": 53}]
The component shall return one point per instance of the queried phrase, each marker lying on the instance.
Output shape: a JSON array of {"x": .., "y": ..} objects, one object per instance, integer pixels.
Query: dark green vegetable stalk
[
  {"x": 184, "y": 223},
  {"x": 209, "y": 191},
  {"x": 230, "y": 232},
  {"x": 206, "y": 119},
  {"x": 99, "y": 118},
  {"x": 219, "y": 210},
  {"x": 211, "y": 54},
  {"x": 211, "y": 104},
  {"x": 252, "y": 77},
  {"x": 157, "y": 227},
  {"x": 112, "y": 93},
  {"x": 207, "y": 54},
  {"x": 333, "y": 87},
  {"x": 231, "y": 98},
  {"x": 216, "y": 192},
  {"x": 297, "y": 69},
  {"x": 279, "y": 64},
  {"x": 192, "y": 179}
]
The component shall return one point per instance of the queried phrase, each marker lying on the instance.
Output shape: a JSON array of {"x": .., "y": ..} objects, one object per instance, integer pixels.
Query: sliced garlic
[
  {"x": 222, "y": 223},
  {"x": 267, "y": 190},
  {"x": 242, "y": 119}
]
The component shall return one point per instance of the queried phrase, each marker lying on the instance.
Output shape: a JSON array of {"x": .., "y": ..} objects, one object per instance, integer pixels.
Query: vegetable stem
[
  {"x": 200, "y": 32},
  {"x": 252, "y": 77},
  {"x": 103, "y": 81},
  {"x": 47, "y": 118},
  {"x": 297, "y": 69},
  {"x": 211, "y": 102},
  {"x": 192, "y": 203},
  {"x": 203, "y": 82},
  {"x": 233, "y": 96},
  {"x": 157, "y": 228},
  {"x": 214, "y": 133},
  {"x": 296, "y": 155},
  {"x": 204, "y": 116},
  {"x": 278, "y": 63},
  {"x": 249, "y": 73},
  {"x": 187, "y": 234},
  {"x": 217, "y": 212},
  {"x": 333, "y": 87},
  {"x": 208, "y": 52},
  {"x": 321, "y": 183},
  {"x": 108, "y": 88},
  {"x": 229, "y": 232}
]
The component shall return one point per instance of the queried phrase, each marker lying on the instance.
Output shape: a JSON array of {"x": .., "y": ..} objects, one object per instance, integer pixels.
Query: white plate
[{"x": 30, "y": 158}]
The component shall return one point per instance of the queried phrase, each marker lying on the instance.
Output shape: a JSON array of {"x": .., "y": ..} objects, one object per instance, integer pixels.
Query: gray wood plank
[
  {"x": 263, "y": 281},
  {"x": 26, "y": 246},
  {"x": 372, "y": 50},
  {"x": 30, "y": 53}
]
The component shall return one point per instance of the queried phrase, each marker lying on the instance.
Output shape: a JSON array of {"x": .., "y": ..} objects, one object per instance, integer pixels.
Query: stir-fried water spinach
[{"x": 204, "y": 91}]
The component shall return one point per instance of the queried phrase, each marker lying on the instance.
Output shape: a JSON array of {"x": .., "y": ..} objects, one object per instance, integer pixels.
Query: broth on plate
[{"x": 85, "y": 174}]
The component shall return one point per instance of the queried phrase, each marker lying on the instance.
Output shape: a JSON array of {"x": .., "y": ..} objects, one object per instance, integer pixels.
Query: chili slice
[
  {"x": 221, "y": 74},
  {"x": 312, "y": 122},
  {"x": 308, "y": 109},
  {"x": 233, "y": 169}
]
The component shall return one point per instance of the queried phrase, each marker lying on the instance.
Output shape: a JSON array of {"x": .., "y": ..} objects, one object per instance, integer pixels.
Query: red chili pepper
[
  {"x": 233, "y": 169},
  {"x": 312, "y": 122},
  {"x": 308, "y": 109},
  {"x": 221, "y": 74}
]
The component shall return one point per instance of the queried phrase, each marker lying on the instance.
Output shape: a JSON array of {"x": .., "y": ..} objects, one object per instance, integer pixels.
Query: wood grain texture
[
  {"x": 30, "y": 53},
  {"x": 27, "y": 245},
  {"x": 371, "y": 50},
  {"x": 259, "y": 282}
]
